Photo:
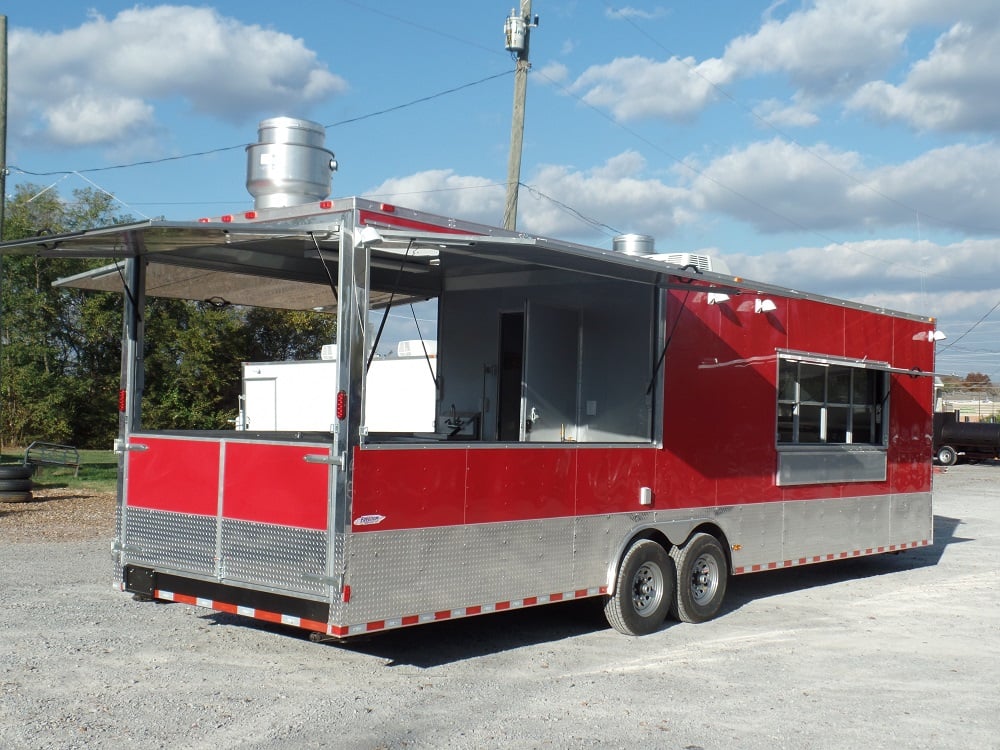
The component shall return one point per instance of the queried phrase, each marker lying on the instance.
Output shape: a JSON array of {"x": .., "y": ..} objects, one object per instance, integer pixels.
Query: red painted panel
[
  {"x": 524, "y": 483},
  {"x": 274, "y": 484},
  {"x": 816, "y": 327},
  {"x": 719, "y": 402},
  {"x": 912, "y": 474},
  {"x": 410, "y": 488},
  {"x": 177, "y": 475},
  {"x": 609, "y": 479},
  {"x": 912, "y": 347},
  {"x": 867, "y": 336}
]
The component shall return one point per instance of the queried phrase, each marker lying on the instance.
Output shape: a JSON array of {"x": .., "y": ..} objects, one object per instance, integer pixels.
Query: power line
[
  {"x": 421, "y": 100},
  {"x": 223, "y": 149},
  {"x": 429, "y": 29},
  {"x": 943, "y": 349}
]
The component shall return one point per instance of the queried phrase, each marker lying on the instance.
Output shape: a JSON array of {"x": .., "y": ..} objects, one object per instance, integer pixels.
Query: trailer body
[
  {"x": 954, "y": 439},
  {"x": 606, "y": 425}
]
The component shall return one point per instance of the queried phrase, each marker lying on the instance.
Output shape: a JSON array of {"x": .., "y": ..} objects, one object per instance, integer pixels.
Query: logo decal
[{"x": 368, "y": 520}]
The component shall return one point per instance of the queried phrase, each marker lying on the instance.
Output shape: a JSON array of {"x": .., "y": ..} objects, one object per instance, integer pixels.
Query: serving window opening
[
  {"x": 831, "y": 419},
  {"x": 538, "y": 356}
]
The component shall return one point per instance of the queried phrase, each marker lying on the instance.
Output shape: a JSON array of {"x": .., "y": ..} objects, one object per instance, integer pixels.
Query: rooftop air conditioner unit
[{"x": 696, "y": 260}]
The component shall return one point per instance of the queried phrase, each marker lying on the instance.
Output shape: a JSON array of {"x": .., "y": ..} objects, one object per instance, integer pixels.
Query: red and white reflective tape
[
  {"x": 375, "y": 626},
  {"x": 452, "y": 614},
  {"x": 827, "y": 558},
  {"x": 235, "y": 609}
]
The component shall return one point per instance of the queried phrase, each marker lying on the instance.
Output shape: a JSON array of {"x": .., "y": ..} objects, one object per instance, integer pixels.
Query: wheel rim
[
  {"x": 647, "y": 589},
  {"x": 704, "y": 578}
]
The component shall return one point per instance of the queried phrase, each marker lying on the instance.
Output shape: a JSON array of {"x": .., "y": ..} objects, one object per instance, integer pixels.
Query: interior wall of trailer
[{"x": 586, "y": 357}]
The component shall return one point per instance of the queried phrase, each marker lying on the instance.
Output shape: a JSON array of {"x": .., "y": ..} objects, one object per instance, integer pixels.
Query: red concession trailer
[
  {"x": 626, "y": 428},
  {"x": 608, "y": 425}
]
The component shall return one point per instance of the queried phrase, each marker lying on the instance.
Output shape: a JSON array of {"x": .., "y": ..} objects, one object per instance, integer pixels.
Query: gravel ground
[{"x": 885, "y": 652}]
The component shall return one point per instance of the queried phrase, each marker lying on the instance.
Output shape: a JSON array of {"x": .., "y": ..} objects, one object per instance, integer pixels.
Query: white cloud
[
  {"x": 219, "y": 66},
  {"x": 824, "y": 46},
  {"x": 828, "y": 48},
  {"x": 953, "y": 89},
  {"x": 85, "y": 119},
  {"x": 637, "y": 87},
  {"x": 778, "y": 114},
  {"x": 629, "y": 12},
  {"x": 553, "y": 72},
  {"x": 616, "y": 193},
  {"x": 956, "y": 186},
  {"x": 778, "y": 186},
  {"x": 561, "y": 201}
]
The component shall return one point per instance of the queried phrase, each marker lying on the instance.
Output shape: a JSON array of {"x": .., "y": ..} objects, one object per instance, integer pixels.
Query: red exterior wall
[{"x": 719, "y": 429}]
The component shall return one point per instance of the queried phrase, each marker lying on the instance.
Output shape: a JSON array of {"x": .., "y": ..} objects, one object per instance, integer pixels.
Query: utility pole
[
  {"x": 3, "y": 123},
  {"x": 517, "y": 30},
  {"x": 3, "y": 180}
]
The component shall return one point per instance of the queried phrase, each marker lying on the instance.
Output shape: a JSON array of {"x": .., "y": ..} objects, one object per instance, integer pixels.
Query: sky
[{"x": 842, "y": 147}]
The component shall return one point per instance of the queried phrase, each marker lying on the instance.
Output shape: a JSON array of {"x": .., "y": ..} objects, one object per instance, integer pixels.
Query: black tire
[
  {"x": 947, "y": 456},
  {"x": 702, "y": 574},
  {"x": 15, "y": 497},
  {"x": 16, "y": 471},
  {"x": 15, "y": 485},
  {"x": 644, "y": 590}
]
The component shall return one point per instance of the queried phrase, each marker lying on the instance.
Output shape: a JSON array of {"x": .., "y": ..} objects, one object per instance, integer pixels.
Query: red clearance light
[
  {"x": 388, "y": 208},
  {"x": 227, "y": 218},
  {"x": 121, "y": 401},
  {"x": 341, "y": 404},
  {"x": 250, "y": 215},
  {"x": 326, "y": 204},
  {"x": 204, "y": 221}
]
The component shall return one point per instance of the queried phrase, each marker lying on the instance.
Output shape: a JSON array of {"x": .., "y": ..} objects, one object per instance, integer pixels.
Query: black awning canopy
[{"x": 290, "y": 267}]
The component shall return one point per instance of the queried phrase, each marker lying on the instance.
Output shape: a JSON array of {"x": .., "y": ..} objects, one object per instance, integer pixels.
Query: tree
[
  {"x": 52, "y": 355},
  {"x": 60, "y": 350}
]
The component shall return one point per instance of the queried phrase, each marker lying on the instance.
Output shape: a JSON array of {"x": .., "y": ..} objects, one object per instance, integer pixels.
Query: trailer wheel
[
  {"x": 947, "y": 456},
  {"x": 702, "y": 573},
  {"x": 16, "y": 471},
  {"x": 644, "y": 590}
]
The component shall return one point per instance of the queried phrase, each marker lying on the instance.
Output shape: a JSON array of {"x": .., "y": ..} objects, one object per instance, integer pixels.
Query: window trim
[
  {"x": 832, "y": 463},
  {"x": 784, "y": 355}
]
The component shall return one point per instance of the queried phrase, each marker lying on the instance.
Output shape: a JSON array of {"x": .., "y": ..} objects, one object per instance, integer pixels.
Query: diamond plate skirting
[
  {"x": 266, "y": 556},
  {"x": 399, "y": 573},
  {"x": 394, "y": 574}
]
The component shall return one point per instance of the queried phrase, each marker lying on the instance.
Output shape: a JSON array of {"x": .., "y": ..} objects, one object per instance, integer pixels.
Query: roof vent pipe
[
  {"x": 289, "y": 165},
  {"x": 633, "y": 244}
]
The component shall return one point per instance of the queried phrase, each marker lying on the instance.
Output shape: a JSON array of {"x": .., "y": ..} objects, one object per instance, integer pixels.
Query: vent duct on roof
[
  {"x": 289, "y": 165},
  {"x": 633, "y": 244}
]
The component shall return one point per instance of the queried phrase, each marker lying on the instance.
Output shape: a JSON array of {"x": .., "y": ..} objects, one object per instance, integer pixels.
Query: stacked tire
[{"x": 15, "y": 483}]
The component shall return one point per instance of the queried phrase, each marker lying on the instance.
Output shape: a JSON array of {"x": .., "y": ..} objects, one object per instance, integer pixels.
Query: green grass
[{"x": 98, "y": 471}]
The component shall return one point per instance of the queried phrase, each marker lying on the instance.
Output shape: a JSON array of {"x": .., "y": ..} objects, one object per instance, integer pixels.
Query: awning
[
  {"x": 216, "y": 287},
  {"x": 290, "y": 265}
]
